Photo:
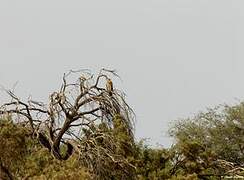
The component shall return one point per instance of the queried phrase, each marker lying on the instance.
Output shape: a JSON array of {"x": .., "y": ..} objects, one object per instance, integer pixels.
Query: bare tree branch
[{"x": 73, "y": 117}]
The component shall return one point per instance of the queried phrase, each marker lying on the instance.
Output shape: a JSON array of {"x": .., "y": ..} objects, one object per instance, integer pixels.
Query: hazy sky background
[{"x": 176, "y": 57}]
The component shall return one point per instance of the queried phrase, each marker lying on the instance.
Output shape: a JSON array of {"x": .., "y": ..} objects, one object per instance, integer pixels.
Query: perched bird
[{"x": 109, "y": 87}]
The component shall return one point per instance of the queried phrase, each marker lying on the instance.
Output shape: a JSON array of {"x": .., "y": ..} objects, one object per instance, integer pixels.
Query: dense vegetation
[{"x": 207, "y": 146}]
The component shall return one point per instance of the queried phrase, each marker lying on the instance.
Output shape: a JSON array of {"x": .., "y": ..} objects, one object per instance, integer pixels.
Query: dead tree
[{"x": 72, "y": 115}]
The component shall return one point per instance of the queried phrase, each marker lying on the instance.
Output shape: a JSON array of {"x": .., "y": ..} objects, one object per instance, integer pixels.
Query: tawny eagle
[{"x": 109, "y": 87}]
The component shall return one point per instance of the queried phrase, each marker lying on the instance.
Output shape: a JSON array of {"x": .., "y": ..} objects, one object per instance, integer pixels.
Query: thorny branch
[{"x": 73, "y": 111}]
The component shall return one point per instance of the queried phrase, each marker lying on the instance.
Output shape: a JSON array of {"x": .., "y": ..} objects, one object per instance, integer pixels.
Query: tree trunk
[{"x": 4, "y": 172}]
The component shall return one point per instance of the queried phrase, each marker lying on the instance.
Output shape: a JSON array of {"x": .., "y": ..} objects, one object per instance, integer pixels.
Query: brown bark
[{"x": 4, "y": 172}]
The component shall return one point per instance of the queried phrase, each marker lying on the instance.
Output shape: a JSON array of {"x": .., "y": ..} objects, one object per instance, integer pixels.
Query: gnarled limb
[{"x": 73, "y": 111}]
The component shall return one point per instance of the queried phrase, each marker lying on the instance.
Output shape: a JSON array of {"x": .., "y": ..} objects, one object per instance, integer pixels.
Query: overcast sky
[{"x": 176, "y": 57}]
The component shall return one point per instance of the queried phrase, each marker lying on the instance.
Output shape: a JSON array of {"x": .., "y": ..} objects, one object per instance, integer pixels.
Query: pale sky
[{"x": 175, "y": 57}]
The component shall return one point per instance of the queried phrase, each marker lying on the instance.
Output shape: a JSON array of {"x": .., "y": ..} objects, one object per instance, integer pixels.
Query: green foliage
[
  {"x": 41, "y": 165},
  {"x": 209, "y": 137},
  {"x": 13, "y": 143},
  {"x": 125, "y": 141},
  {"x": 152, "y": 163},
  {"x": 203, "y": 145},
  {"x": 26, "y": 159}
]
